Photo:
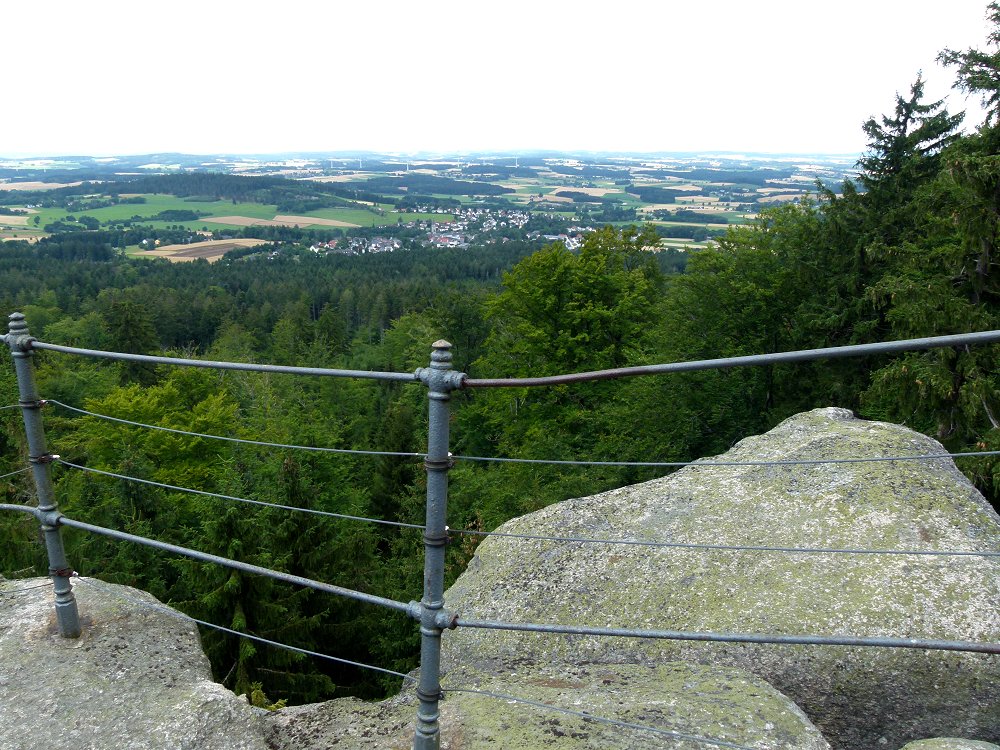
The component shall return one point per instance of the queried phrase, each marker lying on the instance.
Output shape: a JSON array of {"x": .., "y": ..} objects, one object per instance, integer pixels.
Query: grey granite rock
[
  {"x": 136, "y": 679},
  {"x": 696, "y": 701},
  {"x": 859, "y": 698}
]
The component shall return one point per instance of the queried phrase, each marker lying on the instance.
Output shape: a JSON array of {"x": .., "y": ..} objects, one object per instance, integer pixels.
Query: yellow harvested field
[
  {"x": 242, "y": 221},
  {"x": 12, "y": 221},
  {"x": 211, "y": 250},
  {"x": 307, "y": 220},
  {"x": 277, "y": 221},
  {"x": 36, "y": 185},
  {"x": 771, "y": 190},
  {"x": 19, "y": 239}
]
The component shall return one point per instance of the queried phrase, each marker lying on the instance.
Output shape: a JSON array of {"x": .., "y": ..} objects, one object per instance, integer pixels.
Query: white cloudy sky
[{"x": 111, "y": 77}]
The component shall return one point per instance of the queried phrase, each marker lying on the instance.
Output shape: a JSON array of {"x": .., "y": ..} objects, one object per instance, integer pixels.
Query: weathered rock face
[
  {"x": 859, "y": 698},
  {"x": 136, "y": 679},
  {"x": 692, "y": 700}
]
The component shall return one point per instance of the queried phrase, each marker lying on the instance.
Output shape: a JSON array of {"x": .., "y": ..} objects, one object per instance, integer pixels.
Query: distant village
[{"x": 471, "y": 226}]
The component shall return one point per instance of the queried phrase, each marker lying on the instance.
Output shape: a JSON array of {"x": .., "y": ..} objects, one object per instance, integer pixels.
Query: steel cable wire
[
  {"x": 95, "y": 583},
  {"x": 175, "y": 488},
  {"x": 923, "y": 644},
  {"x": 553, "y": 538},
  {"x": 699, "y": 463},
  {"x": 25, "y": 588},
  {"x": 245, "y": 441},
  {"x": 550, "y": 461},
  {"x": 163, "y": 609},
  {"x": 599, "y": 719},
  {"x": 544, "y": 461},
  {"x": 729, "y": 547}
]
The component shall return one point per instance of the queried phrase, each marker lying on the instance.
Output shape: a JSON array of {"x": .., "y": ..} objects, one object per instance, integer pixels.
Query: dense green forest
[{"x": 907, "y": 250}]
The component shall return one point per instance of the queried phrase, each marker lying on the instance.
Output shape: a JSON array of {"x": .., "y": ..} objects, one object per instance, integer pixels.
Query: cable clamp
[
  {"x": 63, "y": 573},
  {"x": 439, "y": 465},
  {"x": 438, "y": 540},
  {"x": 36, "y": 404},
  {"x": 425, "y": 696},
  {"x": 46, "y": 458}
]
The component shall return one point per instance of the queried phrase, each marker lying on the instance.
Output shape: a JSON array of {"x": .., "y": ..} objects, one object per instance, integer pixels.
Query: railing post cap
[
  {"x": 17, "y": 336},
  {"x": 16, "y": 323}
]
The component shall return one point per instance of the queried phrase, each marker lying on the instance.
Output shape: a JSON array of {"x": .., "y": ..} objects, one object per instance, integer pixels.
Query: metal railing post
[
  {"x": 440, "y": 380},
  {"x": 19, "y": 341}
]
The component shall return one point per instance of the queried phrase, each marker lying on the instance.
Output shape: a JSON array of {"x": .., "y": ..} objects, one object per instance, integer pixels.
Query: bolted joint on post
[
  {"x": 439, "y": 377},
  {"x": 446, "y": 619},
  {"x": 49, "y": 518},
  {"x": 18, "y": 338},
  {"x": 443, "y": 619}
]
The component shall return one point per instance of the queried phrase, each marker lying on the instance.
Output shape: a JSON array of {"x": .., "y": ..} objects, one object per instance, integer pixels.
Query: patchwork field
[{"x": 210, "y": 250}]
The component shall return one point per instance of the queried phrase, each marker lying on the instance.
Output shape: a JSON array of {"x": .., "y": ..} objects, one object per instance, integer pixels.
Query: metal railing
[{"x": 440, "y": 381}]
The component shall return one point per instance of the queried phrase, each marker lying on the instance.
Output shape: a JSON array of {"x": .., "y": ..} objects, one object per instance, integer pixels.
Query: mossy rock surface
[
  {"x": 683, "y": 702},
  {"x": 858, "y": 697},
  {"x": 137, "y": 678}
]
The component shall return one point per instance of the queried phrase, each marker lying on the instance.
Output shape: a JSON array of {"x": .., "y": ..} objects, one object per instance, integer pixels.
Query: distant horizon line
[{"x": 432, "y": 154}]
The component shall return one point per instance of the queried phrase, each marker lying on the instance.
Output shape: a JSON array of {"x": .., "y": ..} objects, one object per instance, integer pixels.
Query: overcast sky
[{"x": 107, "y": 77}]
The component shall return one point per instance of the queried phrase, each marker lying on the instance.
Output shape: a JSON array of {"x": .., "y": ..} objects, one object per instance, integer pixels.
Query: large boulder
[
  {"x": 949, "y": 743},
  {"x": 724, "y": 705},
  {"x": 858, "y": 697},
  {"x": 136, "y": 679}
]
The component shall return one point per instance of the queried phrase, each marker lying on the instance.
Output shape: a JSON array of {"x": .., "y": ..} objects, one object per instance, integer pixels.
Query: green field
[
  {"x": 381, "y": 214},
  {"x": 154, "y": 204},
  {"x": 157, "y": 203}
]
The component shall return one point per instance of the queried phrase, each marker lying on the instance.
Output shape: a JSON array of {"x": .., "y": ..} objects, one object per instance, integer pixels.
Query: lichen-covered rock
[
  {"x": 858, "y": 697},
  {"x": 136, "y": 679},
  {"x": 949, "y": 743},
  {"x": 678, "y": 699}
]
